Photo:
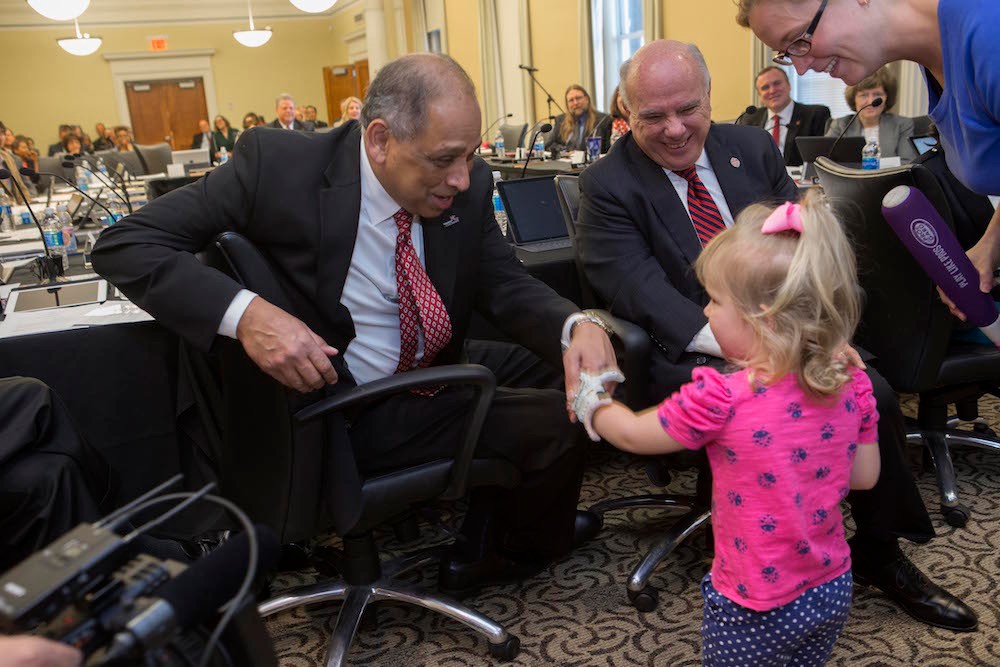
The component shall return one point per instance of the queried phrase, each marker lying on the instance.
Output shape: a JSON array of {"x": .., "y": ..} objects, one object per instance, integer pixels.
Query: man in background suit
[
  {"x": 284, "y": 107},
  {"x": 403, "y": 184},
  {"x": 793, "y": 119},
  {"x": 638, "y": 242},
  {"x": 310, "y": 115},
  {"x": 57, "y": 147},
  {"x": 204, "y": 137}
]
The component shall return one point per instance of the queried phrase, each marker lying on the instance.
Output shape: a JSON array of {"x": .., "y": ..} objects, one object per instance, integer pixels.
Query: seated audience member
[
  {"x": 123, "y": 139},
  {"x": 71, "y": 145},
  {"x": 619, "y": 115},
  {"x": 203, "y": 139},
  {"x": 224, "y": 135},
  {"x": 104, "y": 138},
  {"x": 350, "y": 109},
  {"x": 12, "y": 163},
  {"x": 387, "y": 180},
  {"x": 891, "y": 132},
  {"x": 58, "y": 146},
  {"x": 310, "y": 115},
  {"x": 250, "y": 119},
  {"x": 27, "y": 158},
  {"x": 284, "y": 107},
  {"x": 8, "y": 139},
  {"x": 86, "y": 146},
  {"x": 581, "y": 120},
  {"x": 646, "y": 212},
  {"x": 782, "y": 117}
]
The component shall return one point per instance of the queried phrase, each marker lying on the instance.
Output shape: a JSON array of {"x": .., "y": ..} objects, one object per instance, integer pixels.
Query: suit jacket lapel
[
  {"x": 728, "y": 165},
  {"x": 340, "y": 207},
  {"x": 441, "y": 245},
  {"x": 670, "y": 211},
  {"x": 794, "y": 126}
]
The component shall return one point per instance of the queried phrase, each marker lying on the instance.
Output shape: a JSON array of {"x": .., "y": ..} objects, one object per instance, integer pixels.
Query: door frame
[{"x": 141, "y": 66}]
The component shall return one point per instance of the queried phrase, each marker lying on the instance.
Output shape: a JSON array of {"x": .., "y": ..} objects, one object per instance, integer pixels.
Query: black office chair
[
  {"x": 634, "y": 358},
  {"x": 275, "y": 453},
  {"x": 906, "y": 325},
  {"x": 154, "y": 157},
  {"x": 513, "y": 135}
]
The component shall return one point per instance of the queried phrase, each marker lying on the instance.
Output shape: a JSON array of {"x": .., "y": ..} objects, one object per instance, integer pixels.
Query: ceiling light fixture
[
  {"x": 59, "y": 10},
  {"x": 81, "y": 45},
  {"x": 252, "y": 37},
  {"x": 314, "y": 6}
]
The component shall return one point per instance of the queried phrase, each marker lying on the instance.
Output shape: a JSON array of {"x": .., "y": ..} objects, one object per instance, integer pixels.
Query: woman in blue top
[{"x": 953, "y": 40}]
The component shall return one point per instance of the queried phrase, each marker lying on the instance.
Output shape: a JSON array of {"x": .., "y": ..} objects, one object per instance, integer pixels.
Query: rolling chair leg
[
  {"x": 347, "y": 623},
  {"x": 643, "y": 596},
  {"x": 324, "y": 591},
  {"x": 954, "y": 512},
  {"x": 652, "y": 500}
]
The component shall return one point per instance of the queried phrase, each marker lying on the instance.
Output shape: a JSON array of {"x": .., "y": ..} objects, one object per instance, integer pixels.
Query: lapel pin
[
  {"x": 451, "y": 221},
  {"x": 735, "y": 161}
]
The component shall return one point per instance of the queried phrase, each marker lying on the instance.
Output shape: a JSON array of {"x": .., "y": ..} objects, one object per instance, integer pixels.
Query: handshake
[{"x": 591, "y": 395}]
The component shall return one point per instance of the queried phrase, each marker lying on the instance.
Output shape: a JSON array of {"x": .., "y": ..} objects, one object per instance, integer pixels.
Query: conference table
[{"x": 511, "y": 169}]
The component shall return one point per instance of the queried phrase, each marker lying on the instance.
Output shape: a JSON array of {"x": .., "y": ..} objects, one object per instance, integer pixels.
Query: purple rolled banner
[{"x": 919, "y": 226}]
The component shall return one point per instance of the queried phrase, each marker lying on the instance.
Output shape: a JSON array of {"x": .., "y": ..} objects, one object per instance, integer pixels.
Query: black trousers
[
  {"x": 527, "y": 426},
  {"x": 50, "y": 479}
]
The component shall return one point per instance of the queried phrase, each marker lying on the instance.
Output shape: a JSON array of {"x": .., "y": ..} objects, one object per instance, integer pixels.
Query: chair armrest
[
  {"x": 480, "y": 378},
  {"x": 634, "y": 350}
]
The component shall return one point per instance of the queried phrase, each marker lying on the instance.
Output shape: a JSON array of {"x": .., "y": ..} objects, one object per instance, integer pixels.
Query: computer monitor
[
  {"x": 194, "y": 157},
  {"x": 533, "y": 212},
  {"x": 848, "y": 151}
]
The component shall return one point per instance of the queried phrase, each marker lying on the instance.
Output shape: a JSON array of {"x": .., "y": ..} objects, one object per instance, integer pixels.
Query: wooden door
[
  {"x": 166, "y": 110},
  {"x": 342, "y": 81}
]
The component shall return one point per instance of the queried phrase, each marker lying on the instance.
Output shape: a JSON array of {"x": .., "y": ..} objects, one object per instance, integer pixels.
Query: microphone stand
[
  {"x": 48, "y": 268},
  {"x": 72, "y": 185},
  {"x": 544, "y": 128},
  {"x": 106, "y": 179},
  {"x": 548, "y": 96}
]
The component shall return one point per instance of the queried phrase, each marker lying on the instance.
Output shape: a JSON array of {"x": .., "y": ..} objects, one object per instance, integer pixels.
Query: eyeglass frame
[{"x": 782, "y": 58}]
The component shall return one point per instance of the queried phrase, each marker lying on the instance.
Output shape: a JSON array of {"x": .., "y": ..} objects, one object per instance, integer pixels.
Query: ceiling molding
[
  {"x": 148, "y": 55},
  {"x": 128, "y": 13}
]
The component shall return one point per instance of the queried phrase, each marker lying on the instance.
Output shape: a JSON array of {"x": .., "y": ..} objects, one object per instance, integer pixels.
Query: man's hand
[
  {"x": 30, "y": 651},
  {"x": 851, "y": 357},
  {"x": 589, "y": 350},
  {"x": 285, "y": 348},
  {"x": 985, "y": 256}
]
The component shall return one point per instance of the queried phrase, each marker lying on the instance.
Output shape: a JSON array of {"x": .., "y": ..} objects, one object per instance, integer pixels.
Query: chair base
[
  {"x": 357, "y": 597},
  {"x": 938, "y": 444},
  {"x": 640, "y": 594}
]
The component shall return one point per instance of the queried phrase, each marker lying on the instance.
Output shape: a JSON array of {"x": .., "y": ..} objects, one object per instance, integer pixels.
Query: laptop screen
[
  {"x": 533, "y": 212},
  {"x": 924, "y": 143}
]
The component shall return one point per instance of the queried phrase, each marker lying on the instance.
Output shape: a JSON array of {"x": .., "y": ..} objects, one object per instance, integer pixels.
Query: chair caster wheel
[
  {"x": 506, "y": 650},
  {"x": 658, "y": 472},
  {"x": 956, "y": 516},
  {"x": 644, "y": 600},
  {"x": 984, "y": 430}
]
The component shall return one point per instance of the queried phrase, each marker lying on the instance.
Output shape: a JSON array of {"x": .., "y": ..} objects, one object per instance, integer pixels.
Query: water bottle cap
[{"x": 49, "y": 210}]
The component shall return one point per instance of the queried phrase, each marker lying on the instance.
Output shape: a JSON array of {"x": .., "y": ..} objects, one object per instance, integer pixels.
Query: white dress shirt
[
  {"x": 785, "y": 118},
  {"x": 704, "y": 341},
  {"x": 370, "y": 289}
]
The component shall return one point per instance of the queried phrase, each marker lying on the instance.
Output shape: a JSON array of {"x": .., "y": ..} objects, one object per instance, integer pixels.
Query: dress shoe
[
  {"x": 459, "y": 579},
  {"x": 918, "y": 596},
  {"x": 586, "y": 526}
]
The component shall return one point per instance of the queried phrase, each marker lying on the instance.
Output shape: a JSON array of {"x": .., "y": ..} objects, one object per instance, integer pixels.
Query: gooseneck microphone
[
  {"x": 527, "y": 68},
  {"x": 49, "y": 267},
  {"x": 28, "y": 171},
  {"x": 593, "y": 133},
  {"x": 109, "y": 182},
  {"x": 492, "y": 125},
  {"x": 544, "y": 127},
  {"x": 877, "y": 102},
  {"x": 5, "y": 173},
  {"x": 749, "y": 111}
]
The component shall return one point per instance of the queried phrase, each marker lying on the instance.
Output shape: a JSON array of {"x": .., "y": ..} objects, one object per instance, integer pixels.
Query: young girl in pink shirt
[{"x": 788, "y": 431}]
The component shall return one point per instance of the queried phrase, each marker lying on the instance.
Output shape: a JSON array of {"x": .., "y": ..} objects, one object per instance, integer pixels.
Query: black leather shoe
[
  {"x": 460, "y": 579},
  {"x": 586, "y": 527},
  {"x": 919, "y": 596}
]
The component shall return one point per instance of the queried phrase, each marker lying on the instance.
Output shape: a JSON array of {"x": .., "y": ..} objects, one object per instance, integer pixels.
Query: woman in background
[
  {"x": 224, "y": 134},
  {"x": 891, "y": 132},
  {"x": 350, "y": 109},
  {"x": 619, "y": 117}
]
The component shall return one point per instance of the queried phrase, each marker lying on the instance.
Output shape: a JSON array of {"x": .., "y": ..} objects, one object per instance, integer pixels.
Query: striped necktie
[{"x": 701, "y": 207}]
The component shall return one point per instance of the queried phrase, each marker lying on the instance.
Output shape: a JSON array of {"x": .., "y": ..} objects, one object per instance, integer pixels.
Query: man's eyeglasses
[{"x": 803, "y": 44}]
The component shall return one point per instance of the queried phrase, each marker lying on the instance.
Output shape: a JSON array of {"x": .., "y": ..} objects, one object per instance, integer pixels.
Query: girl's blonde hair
[{"x": 798, "y": 292}]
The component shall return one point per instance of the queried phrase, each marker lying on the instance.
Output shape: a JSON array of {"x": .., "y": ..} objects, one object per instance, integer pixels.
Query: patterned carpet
[{"x": 577, "y": 613}]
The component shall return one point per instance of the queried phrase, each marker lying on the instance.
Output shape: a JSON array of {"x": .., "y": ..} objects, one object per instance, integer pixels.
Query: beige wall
[
  {"x": 462, "y": 25},
  {"x": 555, "y": 49},
  {"x": 56, "y": 87}
]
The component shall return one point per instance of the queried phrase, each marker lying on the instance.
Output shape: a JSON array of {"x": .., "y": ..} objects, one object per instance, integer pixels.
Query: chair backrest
[
  {"x": 922, "y": 125},
  {"x": 904, "y": 322},
  {"x": 568, "y": 191},
  {"x": 127, "y": 158},
  {"x": 155, "y": 156},
  {"x": 513, "y": 135},
  {"x": 53, "y": 165}
]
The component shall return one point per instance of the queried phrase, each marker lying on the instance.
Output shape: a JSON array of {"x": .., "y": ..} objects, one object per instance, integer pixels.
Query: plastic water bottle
[
  {"x": 68, "y": 233},
  {"x": 82, "y": 181},
  {"x": 52, "y": 233},
  {"x": 103, "y": 220},
  {"x": 115, "y": 207},
  {"x": 6, "y": 212},
  {"x": 223, "y": 155},
  {"x": 499, "y": 149},
  {"x": 539, "y": 147},
  {"x": 103, "y": 168},
  {"x": 871, "y": 155},
  {"x": 498, "y": 212}
]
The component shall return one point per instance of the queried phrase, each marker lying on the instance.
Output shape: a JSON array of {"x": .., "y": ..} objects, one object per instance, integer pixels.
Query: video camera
[{"x": 92, "y": 589}]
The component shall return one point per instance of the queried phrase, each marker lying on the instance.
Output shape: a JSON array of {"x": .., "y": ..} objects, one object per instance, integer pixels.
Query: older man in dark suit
[
  {"x": 284, "y": 107},
  {"x": 646, "y": 211},
  {"x": 403, "y": 188},
  {"x": 782, "y": 117}
]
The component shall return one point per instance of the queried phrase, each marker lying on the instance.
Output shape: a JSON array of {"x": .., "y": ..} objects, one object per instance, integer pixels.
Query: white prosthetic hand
[{"x": 591, "y": 395}]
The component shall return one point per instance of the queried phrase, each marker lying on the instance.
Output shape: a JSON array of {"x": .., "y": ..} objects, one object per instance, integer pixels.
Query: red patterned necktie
[
  {"x": 776, "y": 131},
  {"x": 704, "y": 213},
  {"x": 420, "y": 306}
]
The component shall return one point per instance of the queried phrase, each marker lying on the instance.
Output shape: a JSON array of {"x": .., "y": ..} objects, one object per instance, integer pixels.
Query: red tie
[
  {"x": 776, "y": 131},
  {"x": 420, "y": 306},
  {"x": 704, "y": 213}
]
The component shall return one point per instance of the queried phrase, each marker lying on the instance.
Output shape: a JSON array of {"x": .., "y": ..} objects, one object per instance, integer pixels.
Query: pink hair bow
[{"x": 785, "y": 218}]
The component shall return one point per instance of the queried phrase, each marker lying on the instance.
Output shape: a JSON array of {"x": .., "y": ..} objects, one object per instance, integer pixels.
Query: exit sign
[{"x": 157, "y": 43}]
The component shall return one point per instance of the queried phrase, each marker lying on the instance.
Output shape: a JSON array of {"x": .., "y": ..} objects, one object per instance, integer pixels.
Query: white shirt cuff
[
  {"x": 227, "y": 327},
  {"x": 704, "y": 342}
]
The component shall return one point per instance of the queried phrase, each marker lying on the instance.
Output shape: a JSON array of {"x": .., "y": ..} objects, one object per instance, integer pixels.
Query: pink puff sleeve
[
  {"x": 699, "y": 410},
  {"x": 864, "y": 399}
]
